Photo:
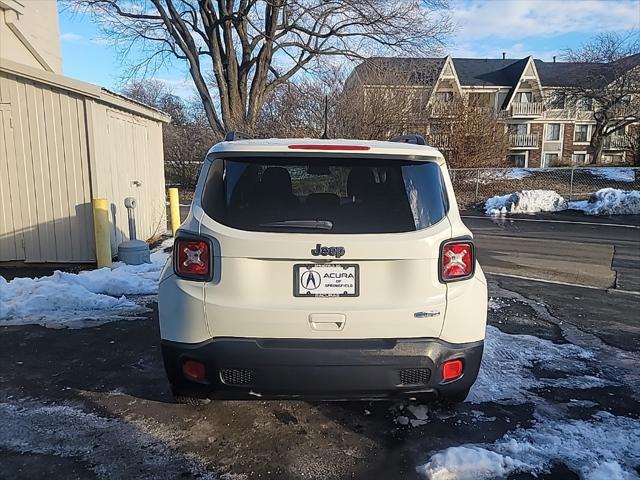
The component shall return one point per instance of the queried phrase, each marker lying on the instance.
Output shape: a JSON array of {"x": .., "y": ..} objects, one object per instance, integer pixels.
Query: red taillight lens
[
  {"x": 457, "y": 261},
  {"x": 452, "y": 369},
  {"x": 193, "y": 370},
  {"x": 192, "y": 258}
]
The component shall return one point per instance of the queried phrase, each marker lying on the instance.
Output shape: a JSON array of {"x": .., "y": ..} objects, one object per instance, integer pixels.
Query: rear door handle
[{"x": 327, "y": 321}]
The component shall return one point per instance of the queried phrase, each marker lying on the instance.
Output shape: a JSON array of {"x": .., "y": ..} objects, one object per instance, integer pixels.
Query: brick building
[{"x": 544, "y": 131}]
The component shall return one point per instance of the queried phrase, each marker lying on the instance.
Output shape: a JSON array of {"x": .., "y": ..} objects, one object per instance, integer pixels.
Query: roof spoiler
[
  {"x": 233, "y": 136},
  {"x": 410, "y": 138}
]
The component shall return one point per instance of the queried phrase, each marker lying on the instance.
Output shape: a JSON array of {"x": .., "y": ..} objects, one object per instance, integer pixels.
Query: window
[
  {"x": 519, "y": 160},
  {"x": 324, "y": 194},
  {"x": 519, "y": 128},
  {"x": 584, "y": 104},
  {"x": 580, "y": 158},
  {"x": 581, "y": 133},
  {"x": 550, "y": 159},
  {"x": 552, "y": 132},
  {"x": 524, "y": 97},
  {"x": 443, "y": 97},
  {"x": 612, "y": 158},
  {"x": 480, "y": 99}
]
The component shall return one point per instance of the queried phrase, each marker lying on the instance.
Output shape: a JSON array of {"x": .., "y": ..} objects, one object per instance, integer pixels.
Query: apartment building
[{"x": 525, "y": 94}]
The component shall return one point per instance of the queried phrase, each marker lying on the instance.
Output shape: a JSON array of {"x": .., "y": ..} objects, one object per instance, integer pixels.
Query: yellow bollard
[
  {"x": 174, "y": 209},
  {"x": 102, "y": 232}
]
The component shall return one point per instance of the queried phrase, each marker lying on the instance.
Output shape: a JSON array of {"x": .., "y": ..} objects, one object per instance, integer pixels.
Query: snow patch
[
  {"x": 614, "y": 174},
  {"x": 525, "y": 201},
  {"x": 576, "y": 443},
  {"x": 506, "y": 373},
  {"x": 610, "y": 201},
  {"x": 106, "y": 445},
  {"x": 87, "y": 298}
]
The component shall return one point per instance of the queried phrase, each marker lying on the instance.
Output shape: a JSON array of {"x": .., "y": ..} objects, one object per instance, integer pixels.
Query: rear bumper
[{"x": 243, "y": 368}]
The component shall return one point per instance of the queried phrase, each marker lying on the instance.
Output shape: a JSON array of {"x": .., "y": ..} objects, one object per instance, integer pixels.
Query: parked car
[{"x": 326, "y": 269}]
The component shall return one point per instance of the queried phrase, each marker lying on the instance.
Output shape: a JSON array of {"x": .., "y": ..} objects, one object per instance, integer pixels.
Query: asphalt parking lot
[
  {"x": 559, "y": 374},
  {"x": 94, "y": 403}
]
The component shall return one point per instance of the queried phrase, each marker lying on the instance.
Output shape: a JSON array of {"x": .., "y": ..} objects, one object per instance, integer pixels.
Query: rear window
[{"x": 326, "y": 195}]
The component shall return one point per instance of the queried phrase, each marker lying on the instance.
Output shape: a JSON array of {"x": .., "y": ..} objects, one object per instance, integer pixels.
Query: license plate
[{"x": 326, "y": 280}]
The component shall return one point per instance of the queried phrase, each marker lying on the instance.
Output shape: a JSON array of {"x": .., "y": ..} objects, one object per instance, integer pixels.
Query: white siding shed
[{"x": 63, "y": 143}]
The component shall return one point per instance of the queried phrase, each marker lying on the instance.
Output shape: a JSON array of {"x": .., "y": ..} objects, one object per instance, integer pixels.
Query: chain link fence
[{"x": 473, "y": 186}]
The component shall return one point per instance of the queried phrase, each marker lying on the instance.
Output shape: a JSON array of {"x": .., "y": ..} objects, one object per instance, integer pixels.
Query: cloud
[
  {"x": 180, "y": 87},
  {"x": 70, "y": 37},
  {"x": 519, "y": 19}
]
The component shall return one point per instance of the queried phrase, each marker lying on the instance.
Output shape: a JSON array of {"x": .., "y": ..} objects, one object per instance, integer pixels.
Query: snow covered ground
[
  {"x": 87, "y": 298},
  {"x": 526, "y": 201},
  {"x": 607, "y": 201}
]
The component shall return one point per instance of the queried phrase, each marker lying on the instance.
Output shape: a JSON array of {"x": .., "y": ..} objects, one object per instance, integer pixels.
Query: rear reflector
[
  {"x": 328, "y": 147},
  {"x": 193, "y": 370},
  {"x": 192, "y": 258},
  {"x": 451, "y": 369},
  {"x": 457, "y": 260}
]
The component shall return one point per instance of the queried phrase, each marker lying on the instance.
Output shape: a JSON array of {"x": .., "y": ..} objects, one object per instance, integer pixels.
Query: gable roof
[
  {"x": 494, "y": 72},
  {"x": 415, "y": 71},
  {"x": 475, "y": 72}
]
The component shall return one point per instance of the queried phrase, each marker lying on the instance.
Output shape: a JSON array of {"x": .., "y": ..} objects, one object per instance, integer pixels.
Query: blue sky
[{"x": 485, "y": 28}]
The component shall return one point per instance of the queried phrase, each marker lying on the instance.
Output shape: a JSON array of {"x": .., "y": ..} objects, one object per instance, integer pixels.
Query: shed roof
[{"x": 84, "y": 89}]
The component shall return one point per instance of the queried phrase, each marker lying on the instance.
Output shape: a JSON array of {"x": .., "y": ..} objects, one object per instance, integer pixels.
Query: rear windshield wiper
[{"x": 312, "y": 224}]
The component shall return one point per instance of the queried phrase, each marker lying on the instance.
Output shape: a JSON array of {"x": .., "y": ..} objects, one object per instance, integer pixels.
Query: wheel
[{"x": 455, "y": 397}]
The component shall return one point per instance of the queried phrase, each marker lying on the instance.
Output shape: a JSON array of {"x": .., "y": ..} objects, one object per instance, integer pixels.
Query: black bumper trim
[{"x": 331, "y": 369}]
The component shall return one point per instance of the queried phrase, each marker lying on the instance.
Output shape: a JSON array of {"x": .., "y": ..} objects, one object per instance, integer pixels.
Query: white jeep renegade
[{"x": 323, "y": 269}]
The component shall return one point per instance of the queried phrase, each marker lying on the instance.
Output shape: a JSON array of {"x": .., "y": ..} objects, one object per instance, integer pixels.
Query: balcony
[
  {"x": 439, "y": 140},
  {"x": 520, "y": 140},
  {"x": 532, "y": 109},
  {"x": 615, "y": 142}
]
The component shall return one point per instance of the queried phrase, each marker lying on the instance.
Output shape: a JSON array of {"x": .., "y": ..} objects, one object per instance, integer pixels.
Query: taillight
[
  {"x": 192, "y": 258},
  {"x": 452, "y": 370},
  {"x": 457, "y": 260},
  {"x": 193, "y": 370}
]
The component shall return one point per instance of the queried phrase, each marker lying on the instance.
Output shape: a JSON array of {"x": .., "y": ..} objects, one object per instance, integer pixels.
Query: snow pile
[
  {"x": 577, "y": 443},
  {"x": 525, "y": 201},
  {"x": 610, "y": 201},
  {"x": 68, "y": 300}
]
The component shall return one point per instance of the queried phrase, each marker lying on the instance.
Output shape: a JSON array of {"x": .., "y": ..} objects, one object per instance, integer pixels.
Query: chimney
[
  {"x": 504, "y": 55},
  {"x": 554, "y": 59}
]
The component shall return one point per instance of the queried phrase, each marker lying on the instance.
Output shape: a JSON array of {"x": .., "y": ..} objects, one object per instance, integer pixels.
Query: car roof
[{"x": 304, "y": 146}]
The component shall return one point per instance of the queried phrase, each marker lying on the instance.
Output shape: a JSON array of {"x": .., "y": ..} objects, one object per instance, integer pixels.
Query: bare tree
[
  {"x": 239, "y": 52},
  {"x": 186, "y": 138},
  {"x": 470, "y": 134},
  {"x": 610, "y": 87}
]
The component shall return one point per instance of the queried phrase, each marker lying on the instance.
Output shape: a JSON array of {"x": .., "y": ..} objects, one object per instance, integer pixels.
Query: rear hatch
[{"x": 327, "y": 246}]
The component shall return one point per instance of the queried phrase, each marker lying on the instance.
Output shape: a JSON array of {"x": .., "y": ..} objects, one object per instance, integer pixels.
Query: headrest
[
  {"x": 277, "y": 181},
  {"x": 359, "y": 180}
]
